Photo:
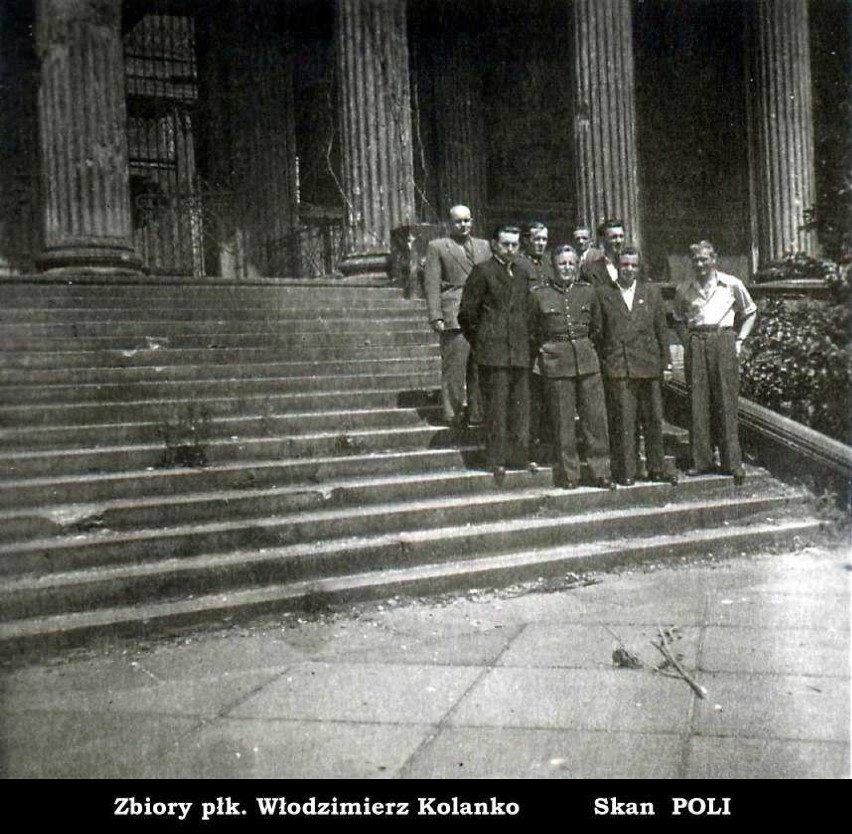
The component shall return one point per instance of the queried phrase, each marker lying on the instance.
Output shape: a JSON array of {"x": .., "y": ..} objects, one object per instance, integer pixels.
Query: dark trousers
[
  {"x": 459, "y": 383},
  {"x": 540, "y": 421},
  {"x": 632, "y": 403},
  {"x": 713, "y": 376},
  {"x": 505, "y": 397},
  {"x": 584, "y": 396}
]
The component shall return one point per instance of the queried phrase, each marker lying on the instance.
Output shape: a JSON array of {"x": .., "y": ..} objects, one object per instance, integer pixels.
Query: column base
[
  {"x": 366, "y": 267},
  {"x": 90, "y": 259}
]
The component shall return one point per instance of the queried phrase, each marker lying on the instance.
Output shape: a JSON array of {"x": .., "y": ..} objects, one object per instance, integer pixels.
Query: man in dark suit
[
  {"x": 449, "y": 261},
  {"x": 564, "y": 318},
  {"x": 493, "y": 318},
  {"x": 603, "y": 271},
  {"x": 635, "y": 353}
]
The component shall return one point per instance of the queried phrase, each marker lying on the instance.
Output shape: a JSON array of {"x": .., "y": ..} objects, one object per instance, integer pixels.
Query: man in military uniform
[
  {"x": 714, "y": 314},
  {"x": 565, "y": 318},
  {"x": 635, "y": 355},
  {"x": 533, "y": 258},
  {"x": 493, "y": 318},
  {"x": 449, "y": 261},
  {"x": 535, "y": 261}
]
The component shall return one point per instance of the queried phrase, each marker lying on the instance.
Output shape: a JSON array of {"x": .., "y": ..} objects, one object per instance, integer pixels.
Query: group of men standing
[{"x": 531, "y": 338}]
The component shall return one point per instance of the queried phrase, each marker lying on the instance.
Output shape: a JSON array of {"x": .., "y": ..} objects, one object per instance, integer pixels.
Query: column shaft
[
  {"x": 375, "y": 101},
  {"x": 463, "y": 154},
  {"x": 605, "y": 114},
  {"x": 82, "y": 122},
  {"x": 782, "y": 129}
]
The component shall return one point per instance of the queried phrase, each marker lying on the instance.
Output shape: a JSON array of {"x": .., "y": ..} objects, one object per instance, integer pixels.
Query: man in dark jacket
[
  {"x": 493, "y": 318},
  {"x": 564, "y": 319},
  {"x": 603, "y": 271},
  {"x": 634, "y": 351}
]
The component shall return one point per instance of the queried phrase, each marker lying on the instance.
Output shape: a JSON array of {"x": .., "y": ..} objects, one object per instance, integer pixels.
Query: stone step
[
  {"x": 182, "y": 452},
  {"x": 176, "y": 410},
  {"x": 518, "y": 518},
  {"x": 38, "y": 634},
  {"x": 13, "y": 332},
  {"x": 230, "y": 370},
  {"x": 115, "y": 514},
  {"x": 191, "y": 388},
  {"x": 118, "y": 359},
  {"x": 53, "y": 490},
  {"x": 22, "y": 314},
  {"x": 187, "y": 292},
  {"x": 196, "y": 429},
  {"x": 154, "y": 581},
  {"x": 280, "y": 339}
]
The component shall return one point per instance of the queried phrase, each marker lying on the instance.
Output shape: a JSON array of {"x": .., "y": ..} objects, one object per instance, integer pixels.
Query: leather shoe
[
  {"x": 532, "y": 466},
  {"x": 605, "y": 483},
  {"x": 498, "y": 471},
  {"x": 626, "y": 481},
  {"x": 693, "y": 473},
  {"x": 739, "y": 477},
  {"x": 662, "y": 478}
]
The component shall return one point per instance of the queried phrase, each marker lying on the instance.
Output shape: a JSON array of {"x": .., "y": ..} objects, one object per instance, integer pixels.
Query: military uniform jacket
[
  {"x": 537, "y": 271},
  {"x": 634, "y": 344},
  {"x": 493, "y": 316},
  {"x": 564, "y": 324},
  {"x": 445, "y": 272}
]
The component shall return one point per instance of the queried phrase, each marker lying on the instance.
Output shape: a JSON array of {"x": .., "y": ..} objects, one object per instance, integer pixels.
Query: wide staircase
[{"x": 184, "y": 453}]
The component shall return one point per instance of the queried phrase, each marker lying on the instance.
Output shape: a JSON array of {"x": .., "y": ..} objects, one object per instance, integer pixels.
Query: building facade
[{"x": 292, "y": 137}]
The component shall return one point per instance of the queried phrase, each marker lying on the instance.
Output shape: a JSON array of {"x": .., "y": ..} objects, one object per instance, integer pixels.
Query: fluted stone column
[
  {"x": 375, "y": 102},
  {"x": 781, "y": 120},
  {"x": 461, "y": 136},
  {"x": 82, "y": 125},
  {"x": 605, "y": 114}
]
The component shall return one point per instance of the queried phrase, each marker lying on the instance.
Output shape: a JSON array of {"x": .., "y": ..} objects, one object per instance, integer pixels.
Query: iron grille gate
[{"x": 162, "y": 91}]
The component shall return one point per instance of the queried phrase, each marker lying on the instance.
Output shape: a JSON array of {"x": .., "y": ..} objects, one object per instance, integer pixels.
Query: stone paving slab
[
  {"x": 384, "y": 643},
  {"x": 586, "y": 699},
  {"x": 205, "y": 696},
  {"x": 93, "y": 745},
  {"x": 389, "y": 693},
  {"x": 278, "y": 749},
  {"x": 591, "y": 646},
  {"x": 754, "y": 758},
  {"x": 779, "y": 706},
  {"x": 802, "y": 651},
  {"x": 511, "y": 753}
]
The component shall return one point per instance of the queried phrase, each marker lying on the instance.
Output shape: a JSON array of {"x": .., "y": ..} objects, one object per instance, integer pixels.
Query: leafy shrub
[
  {"x": 798, "y": 265},
  {"x": 798, "y": 362}
]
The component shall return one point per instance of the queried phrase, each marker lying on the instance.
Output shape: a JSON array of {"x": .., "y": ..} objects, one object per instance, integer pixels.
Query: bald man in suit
[{"x": 449, "y": 261}]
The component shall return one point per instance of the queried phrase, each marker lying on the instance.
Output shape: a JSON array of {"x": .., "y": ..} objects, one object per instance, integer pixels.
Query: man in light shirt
[
  {"x": 714, "y": 314},
  {"x": 635, "y": 355}
]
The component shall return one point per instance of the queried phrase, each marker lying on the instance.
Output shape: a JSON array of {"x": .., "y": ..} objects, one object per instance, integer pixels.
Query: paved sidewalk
[{"x": 507, "y": 684}]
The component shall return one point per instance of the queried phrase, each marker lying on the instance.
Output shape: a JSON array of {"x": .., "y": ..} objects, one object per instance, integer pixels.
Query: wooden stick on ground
[{"x": 663, "y": 648}]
